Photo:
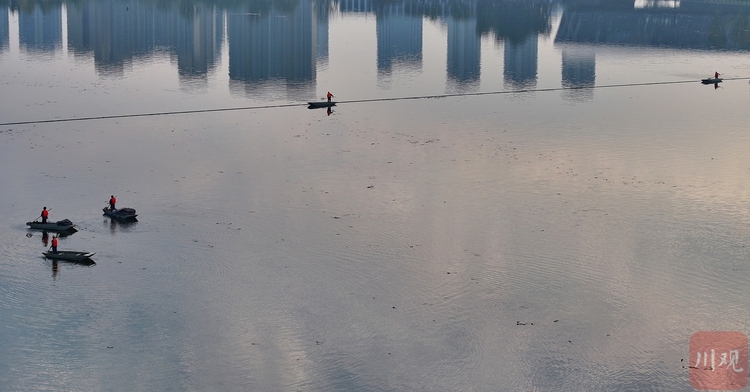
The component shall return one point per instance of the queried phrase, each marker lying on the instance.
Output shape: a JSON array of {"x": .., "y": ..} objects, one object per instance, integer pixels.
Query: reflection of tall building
[
  {"x": 4, "y": 28},
  {"x": 118, "y": 32},
  {"x": 520, "y": 62},
  {"x": 199, "y": 36},
  {"x": 80, "y": 35},
  {"x": 356, "y": 6},
  {"x": 464, "y": 53},
  {"x": 323, "y": 10},
  {"x": 399, "y": 36},
  {"x": 40, "y": 29},
  {"x": 685, "y": 25},
  {"x": 273, "y": 45},
  {"x": 518, "y": 24},
  {"x": 578, "y": 72}
]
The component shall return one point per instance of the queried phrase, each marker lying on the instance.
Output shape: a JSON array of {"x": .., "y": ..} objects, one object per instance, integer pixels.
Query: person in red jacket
[
  {"x": 716, "y": 75},
  {"x": 329, "y": 96},
  {"x": 54, "y": 244},
  {"x": 112, "y": 201},
  {"x": 45, "y": 215}
]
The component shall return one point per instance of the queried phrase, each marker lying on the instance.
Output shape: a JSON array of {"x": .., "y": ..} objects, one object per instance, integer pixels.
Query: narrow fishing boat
[
  {"x": 69, "y": 255},
  {"x": 64, "y": 225},
  {"x": 323, "y": 104}
]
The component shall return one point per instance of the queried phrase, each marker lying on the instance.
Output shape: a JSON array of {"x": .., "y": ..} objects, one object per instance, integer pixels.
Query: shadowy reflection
[
  {"x": 329, "y": 111},
  {"x": 73, "y": 263},
  {"x": 116, "y": 225},
  {"x": 398, "y": 27},
  {"x": 272, "y": 43},
  {"x": 45, "y": 235},
  {"x": 683, "y": 25},
  {"x": 464, "y": 58},
  {"x": 275, "y": 47},
  {"x": 4, "y": 28},
  {"x": 55, "y": 265},
  {"x": 518, "y": 25},
  {"x": 118, "y": 33},
  {"x": 578, "y": 73},
  {"x": 40, "y": 26}
]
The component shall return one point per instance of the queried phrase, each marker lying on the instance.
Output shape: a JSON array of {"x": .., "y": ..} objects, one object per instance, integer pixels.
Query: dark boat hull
[
  {"x": 711, "y": 80},
  {"x": 120, "y": 215},
  {"x": 68, "y": 255},
  {"x": 317, "y": 105},
  {"x": 51, "y": 226}
]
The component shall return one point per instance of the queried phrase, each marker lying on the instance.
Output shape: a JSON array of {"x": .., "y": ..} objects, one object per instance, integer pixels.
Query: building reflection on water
[
  {"x": 578, "y": 72},
  {"x": 4, "y": 28},
  {"x": 273, "y": 45},
  {"x": 286, "y": 42},
  {"x": 40, "y": 27},
  {"x": 116, "y": 33}
]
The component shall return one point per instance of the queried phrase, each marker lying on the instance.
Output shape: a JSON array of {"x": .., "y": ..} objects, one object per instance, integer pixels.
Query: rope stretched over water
[{"x": 531, "y": 90}]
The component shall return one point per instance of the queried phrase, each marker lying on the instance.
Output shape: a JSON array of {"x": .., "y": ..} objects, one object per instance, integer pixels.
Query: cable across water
[{"x": 195, "y": 111}]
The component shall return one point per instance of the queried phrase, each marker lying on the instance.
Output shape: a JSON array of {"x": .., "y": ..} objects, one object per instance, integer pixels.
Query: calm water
[{"x": 551, "y": 239}]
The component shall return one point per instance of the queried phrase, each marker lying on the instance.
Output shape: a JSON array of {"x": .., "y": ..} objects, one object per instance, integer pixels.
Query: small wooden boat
[
  {"x": 711, "y": 80},
  {"x": 61, "y": 226},
  {"x": 69, "y": 255},
  {"x": 322, "y": 104},
  {"x": 121, "y": 214}
]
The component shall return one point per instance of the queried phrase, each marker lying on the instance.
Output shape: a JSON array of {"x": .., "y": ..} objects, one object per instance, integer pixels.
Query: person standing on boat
[
  {"x": 112, "y": 201},
  {"x": 45, "y": 215},
  {"x": 716, "y": 75},
  {"x": 329, "y": 96},
  {"x": 54, "y": 244}
]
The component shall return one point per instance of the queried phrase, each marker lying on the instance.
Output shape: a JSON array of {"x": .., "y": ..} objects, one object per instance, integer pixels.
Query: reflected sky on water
[{"x": 563, "y": 212}]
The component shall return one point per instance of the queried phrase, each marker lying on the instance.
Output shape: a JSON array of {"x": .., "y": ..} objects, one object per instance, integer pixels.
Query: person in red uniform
[
  {"x": 329, "y": 96},
  {"x": 45, "y": 215},
  {"x": 54, "y": 244},
  {"x": 112, "y": 201},
  {"x": 716, "y": 75}
]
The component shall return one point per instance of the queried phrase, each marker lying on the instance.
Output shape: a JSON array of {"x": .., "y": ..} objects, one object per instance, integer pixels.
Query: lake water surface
[{"x": 564, "y": 212}]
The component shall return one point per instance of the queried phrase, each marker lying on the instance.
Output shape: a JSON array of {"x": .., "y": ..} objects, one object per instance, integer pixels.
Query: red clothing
[
  {"x": 54, "y": 242},
  {"x": 113, "y": 200},
  {"x": 45, "y": 213},
  {"x": 716, "y": 75}
]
